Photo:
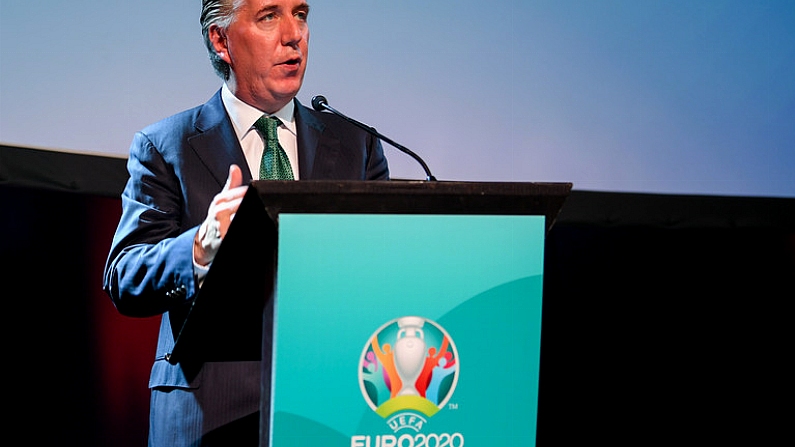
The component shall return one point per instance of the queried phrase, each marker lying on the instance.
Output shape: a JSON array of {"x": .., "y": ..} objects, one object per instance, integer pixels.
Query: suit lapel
[
  {"x": 309, "y": 130},
  {"x": 216, "y": 143}
]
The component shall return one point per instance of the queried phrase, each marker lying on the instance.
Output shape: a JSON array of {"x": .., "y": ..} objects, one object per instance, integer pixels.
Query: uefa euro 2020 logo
[{"x": 408, "y": 371}]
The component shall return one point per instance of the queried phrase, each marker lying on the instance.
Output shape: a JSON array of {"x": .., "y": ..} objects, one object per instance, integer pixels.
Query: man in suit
[{"x": 188, "y": 175}]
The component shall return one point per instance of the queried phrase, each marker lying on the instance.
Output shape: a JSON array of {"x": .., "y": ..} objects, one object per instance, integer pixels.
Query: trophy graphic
[
  {"x": 409, "y": 353},
  {"x": 407, "y": 372}
]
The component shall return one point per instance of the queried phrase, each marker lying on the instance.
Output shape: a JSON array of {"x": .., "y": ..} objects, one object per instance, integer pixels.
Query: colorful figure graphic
[
  {"x": 409, "y": 364},
  {"x": 387, "y": 360}
]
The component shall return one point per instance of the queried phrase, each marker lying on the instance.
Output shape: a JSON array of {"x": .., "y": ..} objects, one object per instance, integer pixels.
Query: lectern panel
[{"x": 407, "y": 330}]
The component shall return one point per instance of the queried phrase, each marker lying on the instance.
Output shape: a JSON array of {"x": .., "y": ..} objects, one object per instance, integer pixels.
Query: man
[{"x": 188, "y": 174}]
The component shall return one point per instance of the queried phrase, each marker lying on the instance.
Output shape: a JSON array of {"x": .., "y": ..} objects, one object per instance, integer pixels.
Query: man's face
[{"x": 266, "y": 46}]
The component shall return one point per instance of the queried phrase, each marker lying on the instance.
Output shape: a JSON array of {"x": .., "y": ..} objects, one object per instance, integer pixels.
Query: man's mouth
[{"x": 292, "y": 62}]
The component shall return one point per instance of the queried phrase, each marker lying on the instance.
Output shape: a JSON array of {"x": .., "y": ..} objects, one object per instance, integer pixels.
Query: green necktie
[{"x": 275, "y": 165}]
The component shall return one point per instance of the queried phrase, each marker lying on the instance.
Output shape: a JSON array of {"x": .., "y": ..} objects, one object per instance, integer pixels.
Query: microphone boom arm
[{"x": 320, "y": 103}]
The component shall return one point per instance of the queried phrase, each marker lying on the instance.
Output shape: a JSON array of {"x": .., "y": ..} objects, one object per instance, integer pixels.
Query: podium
[{"x": 326, "y": 235}]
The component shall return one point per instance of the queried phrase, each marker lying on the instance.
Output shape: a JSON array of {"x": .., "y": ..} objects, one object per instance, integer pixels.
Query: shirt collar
[{"x": 243, "y": 115}]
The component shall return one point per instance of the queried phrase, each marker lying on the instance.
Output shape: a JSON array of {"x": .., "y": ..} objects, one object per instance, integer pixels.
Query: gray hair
[{"x": 220, "y": 13}]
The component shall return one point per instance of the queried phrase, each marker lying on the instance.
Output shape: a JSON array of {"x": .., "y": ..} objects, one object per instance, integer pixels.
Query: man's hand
[{"x": 219, "y": 216}]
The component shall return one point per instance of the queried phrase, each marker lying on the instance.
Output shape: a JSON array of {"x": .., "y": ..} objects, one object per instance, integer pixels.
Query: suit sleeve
[{"x": 150, "y": 266}]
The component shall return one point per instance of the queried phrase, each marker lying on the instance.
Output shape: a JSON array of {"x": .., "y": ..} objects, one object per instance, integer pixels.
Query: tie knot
[{"x": 267, "y": 125}]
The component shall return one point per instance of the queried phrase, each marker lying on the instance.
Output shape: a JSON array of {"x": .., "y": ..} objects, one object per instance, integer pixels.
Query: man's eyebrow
[{"x": 268, "y": 8}]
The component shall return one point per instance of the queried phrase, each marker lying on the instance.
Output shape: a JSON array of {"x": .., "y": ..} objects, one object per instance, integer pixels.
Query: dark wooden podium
[
  {"x": 225, "y": 321},
  {"x": 231, "y": 319}
]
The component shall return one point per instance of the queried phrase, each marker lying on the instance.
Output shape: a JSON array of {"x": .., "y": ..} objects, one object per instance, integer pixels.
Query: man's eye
[{"x": 301, "y": 15}]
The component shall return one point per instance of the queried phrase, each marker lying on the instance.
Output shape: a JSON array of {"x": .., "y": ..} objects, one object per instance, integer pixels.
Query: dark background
[{"x": 665, "y": 316}]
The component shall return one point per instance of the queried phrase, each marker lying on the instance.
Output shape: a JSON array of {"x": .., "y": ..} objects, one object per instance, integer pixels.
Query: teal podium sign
[{"x": 407, "y": 330}]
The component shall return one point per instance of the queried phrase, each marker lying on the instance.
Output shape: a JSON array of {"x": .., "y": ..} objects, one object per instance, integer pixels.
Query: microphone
[{"x": 320, "y": 104}]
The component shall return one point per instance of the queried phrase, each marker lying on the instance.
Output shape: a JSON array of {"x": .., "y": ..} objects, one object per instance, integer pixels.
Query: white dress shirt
[{"x": 244, "y": 116}]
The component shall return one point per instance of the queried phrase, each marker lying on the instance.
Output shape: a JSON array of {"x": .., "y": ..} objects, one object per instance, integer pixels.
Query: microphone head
[{"x": 319, "y": 102}]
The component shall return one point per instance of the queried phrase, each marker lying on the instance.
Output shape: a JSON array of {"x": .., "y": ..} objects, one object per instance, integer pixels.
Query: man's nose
[{"x": 292, "y": 30}]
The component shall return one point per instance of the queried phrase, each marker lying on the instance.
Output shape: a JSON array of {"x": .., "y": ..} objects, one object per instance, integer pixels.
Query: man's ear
[{"x": 218, "y": 38}]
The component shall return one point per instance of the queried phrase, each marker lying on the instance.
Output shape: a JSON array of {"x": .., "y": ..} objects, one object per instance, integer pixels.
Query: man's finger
[{"x": 235, "y": 178}]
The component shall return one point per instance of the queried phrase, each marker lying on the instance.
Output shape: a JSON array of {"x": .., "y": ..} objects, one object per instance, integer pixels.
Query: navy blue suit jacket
[{"x": 176, "y": 167}]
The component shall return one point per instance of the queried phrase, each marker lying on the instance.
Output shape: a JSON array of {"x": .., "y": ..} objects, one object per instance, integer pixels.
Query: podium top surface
[{"x": 412, "y": 197}]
